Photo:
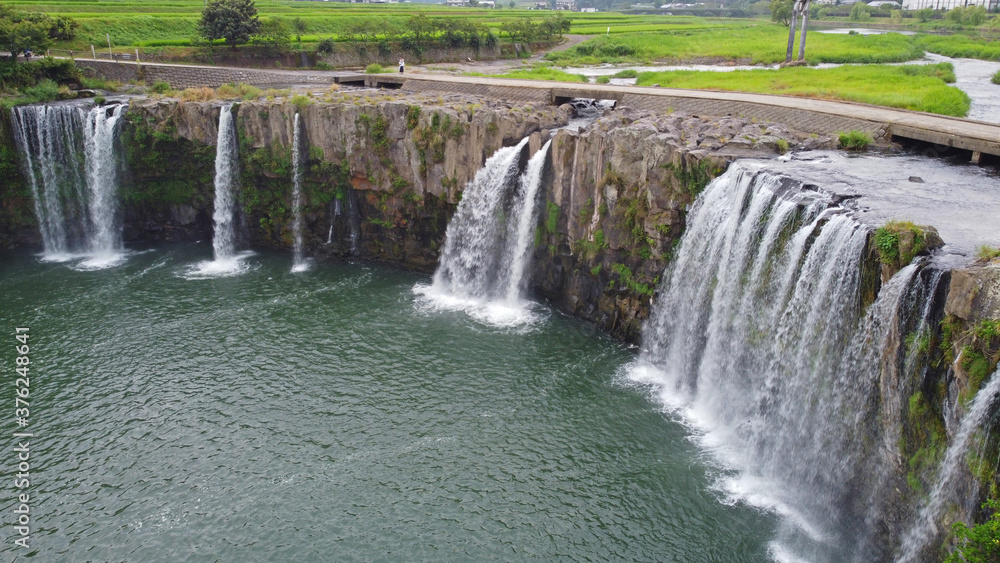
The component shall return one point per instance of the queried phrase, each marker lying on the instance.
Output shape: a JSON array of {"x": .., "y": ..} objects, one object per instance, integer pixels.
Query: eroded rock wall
[{"x": 382, "y": 173}]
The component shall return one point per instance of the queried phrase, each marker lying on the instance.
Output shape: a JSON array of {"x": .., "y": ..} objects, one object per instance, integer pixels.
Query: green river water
[{"x": 329, "y": 416}]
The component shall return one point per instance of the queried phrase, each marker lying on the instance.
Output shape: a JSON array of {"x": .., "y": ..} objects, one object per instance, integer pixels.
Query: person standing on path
[{"x": 401, "y": 63}]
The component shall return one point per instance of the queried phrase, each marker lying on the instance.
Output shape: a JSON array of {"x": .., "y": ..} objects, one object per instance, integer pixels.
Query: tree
[
  {"x": 20, "y": 31},
  {"x": 860, "y": 12},
  {"x": 512, "y": 4},
  {"x": 781, "y": 11},
  {"x": 273, "y": 35},
  {"x": 233, "y": 20},
  {"x": 421, "y": 27},
  {"x": 299, "y": 25}
]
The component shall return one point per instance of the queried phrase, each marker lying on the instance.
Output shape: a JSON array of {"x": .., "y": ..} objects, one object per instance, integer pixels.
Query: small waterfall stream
[
  {"x": 71, "y": 163},
  {"x": 102, "y": 179},
  {"x": 226, "y": 178},
  {"x": 526, "y": 213},
  {"x": 488, "y": 241},
  {"x": 299, "y": 263},
  {"x": 226, "y": 260},
  {"x": 925, "y": 529}
]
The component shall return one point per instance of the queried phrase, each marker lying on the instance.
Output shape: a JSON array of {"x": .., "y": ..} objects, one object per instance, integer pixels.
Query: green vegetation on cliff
[
  {"x": 165, "y": 169},
  {"x": 980, "y": 543},
  {"x": 899, "y": 242},
  {"x": 15, "y": 194}
]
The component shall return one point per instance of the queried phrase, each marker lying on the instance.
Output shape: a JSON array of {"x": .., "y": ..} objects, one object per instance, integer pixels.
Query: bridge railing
[{"x": 93, "y": 53}]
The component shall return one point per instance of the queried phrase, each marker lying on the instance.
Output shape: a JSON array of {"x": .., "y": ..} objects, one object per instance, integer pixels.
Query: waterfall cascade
[
  {"x": 488, "y": 241},
  {"x": 760, "y": 341},
  {"x": 226, "y": 179},
  {"x": 298, "y": 262},
  {"x": 69, "y": 158},
  {"x": 925, "y": 529}
]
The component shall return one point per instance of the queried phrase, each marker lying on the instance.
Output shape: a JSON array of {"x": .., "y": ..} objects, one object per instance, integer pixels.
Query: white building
[{"x": 944, "y": 4}]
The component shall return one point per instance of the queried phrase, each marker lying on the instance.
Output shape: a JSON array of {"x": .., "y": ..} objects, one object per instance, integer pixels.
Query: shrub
[
  {"x": 159, "y": 87},
  {"x": 325, "y": 46},
  {"x": 854, "y": 140},
  {"x": 627, "y": 73},
  {"x": 45, "y": 91},
  {"x": 996, "y": 78},
  {"x": 603, "y": 79},
  {"x": 98, "y": 100},
  {"x": 987, "y": 253},
  {"x": 374, "y": 68},
  {"x": 979, "y": 543},
  {"x": 202, "y": 94},
  {"x": 238, "y": 90},
  {"x": 924, "y": 14},
  {"x": 301, "y": 102}
]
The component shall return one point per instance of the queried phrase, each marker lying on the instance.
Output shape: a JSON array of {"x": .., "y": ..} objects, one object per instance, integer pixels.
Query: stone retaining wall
[
  {"x": 180, "y": 76},
  {"x": 797, "y": 119}
]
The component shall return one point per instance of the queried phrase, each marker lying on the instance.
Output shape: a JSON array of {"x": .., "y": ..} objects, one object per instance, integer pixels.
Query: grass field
[
  {"x": 916, "y": 87},
  {"x": 538, "y": 73},
  {"x": 960, "y": 46},
  {"x": 174, "y": 22},
  {"x": 747, "y": 42}
]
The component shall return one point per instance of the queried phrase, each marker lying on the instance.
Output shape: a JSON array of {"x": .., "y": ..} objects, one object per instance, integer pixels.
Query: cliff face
[{"x": 381, "y": 174}]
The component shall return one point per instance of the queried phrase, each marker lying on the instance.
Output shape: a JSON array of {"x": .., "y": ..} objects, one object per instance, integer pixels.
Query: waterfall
[
  {"x": 226, "y": 179},
  {"x": 488, "y": 241},
  {"x": 298, "y": 262},
  {"x": 758, "y": 340},
  {"x": 102, "y": 179},
  {"x": 526, "y": 214},
  {"x": 925, "y": 528},
  {"x": 69, "y": 159},
  {"x": 227, "y": 261}
]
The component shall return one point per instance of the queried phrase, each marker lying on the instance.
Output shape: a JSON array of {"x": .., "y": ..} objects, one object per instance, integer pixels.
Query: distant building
[
  {"x": 588, "y": 10},
  {"x": 944, "y": 4},
  {"x": 889, "y": 3}
]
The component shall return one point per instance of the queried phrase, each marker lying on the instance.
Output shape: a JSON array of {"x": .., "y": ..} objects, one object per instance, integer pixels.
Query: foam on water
[{"x": 229, "y": 267}]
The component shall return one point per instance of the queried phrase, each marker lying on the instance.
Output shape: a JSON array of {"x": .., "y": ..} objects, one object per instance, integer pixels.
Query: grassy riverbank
[
  {"x": 915, "y": 87},
  {"x": 539, "y": 72},
  {"x": 764, "y": 44}
]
